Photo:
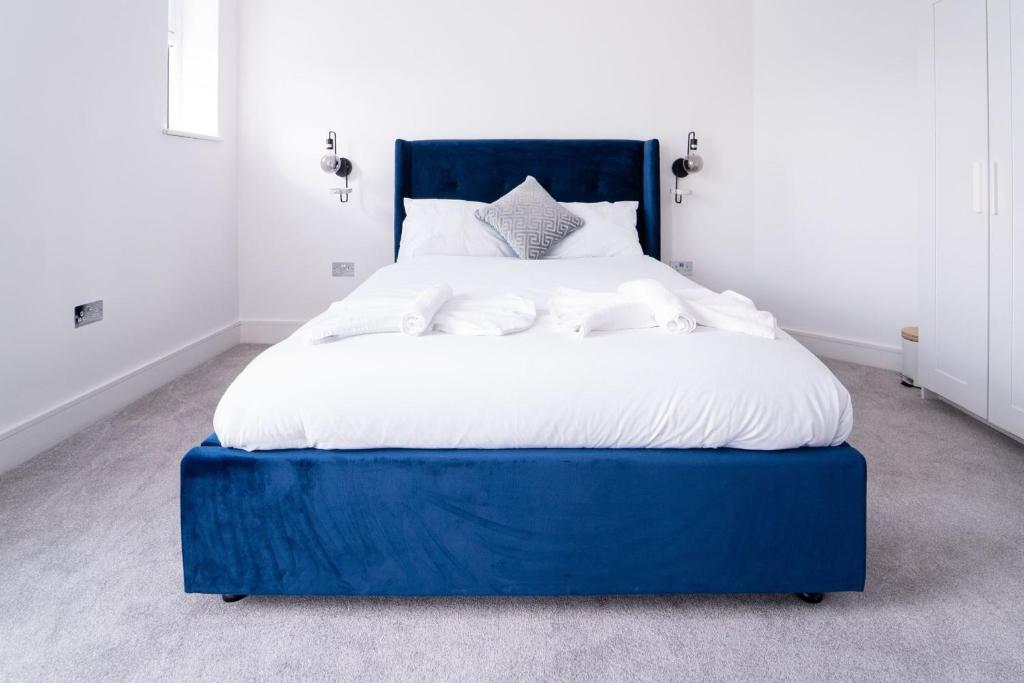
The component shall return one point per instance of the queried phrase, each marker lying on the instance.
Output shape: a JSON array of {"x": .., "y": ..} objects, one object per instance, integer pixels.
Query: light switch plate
[
  {"x": 86, "y": 314},
  {"x": 343, "y": 269}
]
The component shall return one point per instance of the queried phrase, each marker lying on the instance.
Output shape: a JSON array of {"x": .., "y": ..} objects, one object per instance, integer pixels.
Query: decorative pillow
[{"x": 529, "y": 219}]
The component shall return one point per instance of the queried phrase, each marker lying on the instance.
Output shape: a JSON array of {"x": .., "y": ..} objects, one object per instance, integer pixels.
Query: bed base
[
  {"x": 811, "y": 598},
  {"x": 522, "y": 522}
]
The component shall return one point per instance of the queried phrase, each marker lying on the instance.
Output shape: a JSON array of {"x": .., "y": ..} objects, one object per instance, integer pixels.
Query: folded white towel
[
  {"x": 585, "y": 312},
  {"x": 415, "y": 313},
  {"x": 624, "y": 315},
  {"x": 419, "y": 317},
  {"x": 640, "y": 304},
  {"x": 485, "y": 314},
  {"x": 386, "y": 312},
  {"x": 729, "y": 311},
  {"x": 669, "y": 311},
  {"x": 352, "y": 318}
]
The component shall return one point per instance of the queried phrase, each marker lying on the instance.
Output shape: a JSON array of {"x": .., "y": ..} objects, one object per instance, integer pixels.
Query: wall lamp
[
  {"x": 691, "y": 163},
  {"x": 339, "y": 166}
]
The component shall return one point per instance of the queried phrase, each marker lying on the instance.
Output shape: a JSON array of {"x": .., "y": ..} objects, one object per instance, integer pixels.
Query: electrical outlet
[
  {"x": 683, "y": 267},
  {"x": 343, "y": 269},
  {"x": 86, "y": 314}
]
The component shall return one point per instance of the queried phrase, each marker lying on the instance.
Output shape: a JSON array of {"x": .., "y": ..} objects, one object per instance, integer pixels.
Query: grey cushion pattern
[{"x": 529, "y": 219}]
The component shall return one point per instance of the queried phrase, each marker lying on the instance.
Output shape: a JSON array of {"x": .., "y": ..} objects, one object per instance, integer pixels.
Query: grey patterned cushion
[{"x": 529, "y": 219}]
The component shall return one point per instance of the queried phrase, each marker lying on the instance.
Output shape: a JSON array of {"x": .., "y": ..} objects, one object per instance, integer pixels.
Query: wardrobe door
[
  {"x": 954, "y": 334},
  {"x": 1006, "y": 298}
]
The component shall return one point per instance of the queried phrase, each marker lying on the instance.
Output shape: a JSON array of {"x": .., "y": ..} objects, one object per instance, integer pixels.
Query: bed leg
[
  {"x": 813, "y": 598},
  {"x": 232, "y": 597}
]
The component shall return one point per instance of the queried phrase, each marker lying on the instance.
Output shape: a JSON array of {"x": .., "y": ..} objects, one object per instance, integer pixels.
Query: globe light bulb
[
  {"x": 694, "y": 162},
  {"x": 329, "y": 163}
]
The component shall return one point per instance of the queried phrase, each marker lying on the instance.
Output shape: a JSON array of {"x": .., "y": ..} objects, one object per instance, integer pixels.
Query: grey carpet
[{"x": 90, "y": 576}]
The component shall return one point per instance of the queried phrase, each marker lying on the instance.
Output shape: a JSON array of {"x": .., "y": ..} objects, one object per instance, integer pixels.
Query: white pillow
[
  {"x": 447, "y": 226},
  {"x": 609, "y": 229}
]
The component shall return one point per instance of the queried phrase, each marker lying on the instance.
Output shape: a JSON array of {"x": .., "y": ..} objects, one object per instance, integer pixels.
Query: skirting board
[
  {"x": 268, "y": 331},
  {"x": 838, "y": 348},
  {"x": 850, "y": 350},
  {"x": 40, "y": 433}
]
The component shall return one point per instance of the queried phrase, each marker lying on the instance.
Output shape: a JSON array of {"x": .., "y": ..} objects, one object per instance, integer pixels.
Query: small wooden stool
[{"x": 909, "y": 373}]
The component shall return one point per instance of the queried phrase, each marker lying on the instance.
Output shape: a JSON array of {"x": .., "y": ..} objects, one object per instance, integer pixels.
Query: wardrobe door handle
[
  {"x": 994, "y": 181},
  {"x": 976, "y": 186}
]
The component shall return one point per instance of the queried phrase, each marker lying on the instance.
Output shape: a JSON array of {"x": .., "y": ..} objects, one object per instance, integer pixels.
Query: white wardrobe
[{"x": 972, "y": 326}]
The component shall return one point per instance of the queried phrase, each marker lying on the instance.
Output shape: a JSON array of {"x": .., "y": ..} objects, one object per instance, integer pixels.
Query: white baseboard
[
  {"x": 850, "y": 350},
  {"x": 268, "y": 331},
  {"x": 37, "y": 434}
]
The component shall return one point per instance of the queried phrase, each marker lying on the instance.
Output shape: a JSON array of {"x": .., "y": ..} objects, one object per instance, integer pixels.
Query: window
[{"x": 193, "y": 64}]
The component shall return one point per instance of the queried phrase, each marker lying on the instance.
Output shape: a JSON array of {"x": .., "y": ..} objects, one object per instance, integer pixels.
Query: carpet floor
[{"x": 90, "y": 576}]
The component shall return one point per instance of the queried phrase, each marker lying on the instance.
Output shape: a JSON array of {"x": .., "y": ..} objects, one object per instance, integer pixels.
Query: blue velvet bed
[{"x": 524, "y": 521}]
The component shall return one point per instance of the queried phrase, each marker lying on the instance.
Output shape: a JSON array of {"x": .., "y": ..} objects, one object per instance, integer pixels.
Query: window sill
[{"x": 194, "y": 136}]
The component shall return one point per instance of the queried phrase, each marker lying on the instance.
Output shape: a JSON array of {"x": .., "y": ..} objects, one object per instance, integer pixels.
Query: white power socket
[{"x": 683, "y": 267}]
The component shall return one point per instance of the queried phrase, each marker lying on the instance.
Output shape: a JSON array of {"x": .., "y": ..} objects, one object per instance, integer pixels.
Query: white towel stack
[
  {"x": 416, "y": 313},
  {"x": 640, "y": 304}
]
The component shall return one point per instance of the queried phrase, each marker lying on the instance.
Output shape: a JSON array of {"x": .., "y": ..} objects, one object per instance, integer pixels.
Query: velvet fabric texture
[
  {"x": 570, "y": 170},
  {"x": 522, "y": 522}
]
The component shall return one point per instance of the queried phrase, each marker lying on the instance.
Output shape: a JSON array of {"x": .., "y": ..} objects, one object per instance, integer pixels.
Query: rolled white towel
[
  {"x": 729, "y": 311},
  {"x": 670, "y": 312},
  {"x": 585, "y": 312},
  {"x": 419, "y": 315},
  {"x": 485, "y": 315}
]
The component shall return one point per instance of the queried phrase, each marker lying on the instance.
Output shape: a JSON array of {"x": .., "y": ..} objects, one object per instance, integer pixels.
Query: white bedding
[{"x": 540, "y": 388}]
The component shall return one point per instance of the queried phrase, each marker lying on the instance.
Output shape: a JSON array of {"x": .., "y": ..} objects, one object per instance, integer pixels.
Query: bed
[{"x": 540, "y": 466}]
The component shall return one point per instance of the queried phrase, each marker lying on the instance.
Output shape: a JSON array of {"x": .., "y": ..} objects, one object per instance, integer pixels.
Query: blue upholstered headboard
[{"x": 571, "y": 170}]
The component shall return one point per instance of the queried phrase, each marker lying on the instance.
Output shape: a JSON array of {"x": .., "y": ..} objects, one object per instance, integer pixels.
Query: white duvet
[{"x": 540, "y": 388}]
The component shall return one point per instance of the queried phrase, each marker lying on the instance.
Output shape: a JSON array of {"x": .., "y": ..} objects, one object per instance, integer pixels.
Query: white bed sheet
[{"x": 540, "y": 388}]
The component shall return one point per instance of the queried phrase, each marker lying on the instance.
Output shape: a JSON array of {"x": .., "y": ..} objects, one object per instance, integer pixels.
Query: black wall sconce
[
  {"x": 339, "y": 166},
  {"x": 691, "y": 163}
]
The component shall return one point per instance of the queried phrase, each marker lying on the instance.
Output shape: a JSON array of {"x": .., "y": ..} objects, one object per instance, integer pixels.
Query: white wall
[
  {"x": 532, "y": 68},
  {"x": 837, "y": 168},
  {"x": 805, "y": 112},
  {"x": 96, "y": 203}
]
